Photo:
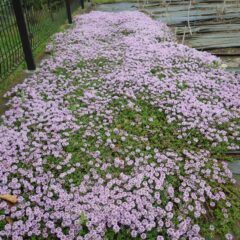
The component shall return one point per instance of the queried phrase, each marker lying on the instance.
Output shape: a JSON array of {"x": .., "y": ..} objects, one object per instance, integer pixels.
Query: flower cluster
[{"x": 116, "y": 130}]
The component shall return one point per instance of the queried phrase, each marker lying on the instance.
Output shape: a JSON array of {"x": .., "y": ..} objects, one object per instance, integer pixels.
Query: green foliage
[{"x": 123, "y": 234}]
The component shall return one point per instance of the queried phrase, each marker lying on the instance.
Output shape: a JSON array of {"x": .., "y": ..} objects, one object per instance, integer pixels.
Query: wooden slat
[{"x": 213, "y": 23}]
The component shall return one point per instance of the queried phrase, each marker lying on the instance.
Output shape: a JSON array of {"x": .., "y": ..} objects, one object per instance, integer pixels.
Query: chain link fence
[{"x": 42, "y": 18}]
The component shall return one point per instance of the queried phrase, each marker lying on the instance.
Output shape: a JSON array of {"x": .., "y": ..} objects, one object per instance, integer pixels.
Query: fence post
[
  {"x": 22, "y": 28},
  {"x": 82, "y": 3},
  {"x": 69, "y": 14}
]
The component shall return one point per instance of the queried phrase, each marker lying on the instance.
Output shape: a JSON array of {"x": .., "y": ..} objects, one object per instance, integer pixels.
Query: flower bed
[{"x": 120, "y": 134}]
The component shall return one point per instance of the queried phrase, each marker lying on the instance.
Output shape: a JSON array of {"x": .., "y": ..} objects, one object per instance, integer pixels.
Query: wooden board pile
[{"x": 202, "y": 24}]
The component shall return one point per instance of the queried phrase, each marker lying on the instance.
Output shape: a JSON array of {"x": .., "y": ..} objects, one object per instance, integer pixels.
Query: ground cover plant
[{"x": 121, "y": 134}]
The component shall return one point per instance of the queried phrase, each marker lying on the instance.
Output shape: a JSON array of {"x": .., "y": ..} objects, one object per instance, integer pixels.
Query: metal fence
[{"x": 41, "y": 17}]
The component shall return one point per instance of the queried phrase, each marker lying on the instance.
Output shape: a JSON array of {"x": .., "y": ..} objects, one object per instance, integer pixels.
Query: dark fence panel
[
  {"x": 11, "y": 53},
  {"x": 74, "y": 5},
  {"x": 42, "y": 17}
]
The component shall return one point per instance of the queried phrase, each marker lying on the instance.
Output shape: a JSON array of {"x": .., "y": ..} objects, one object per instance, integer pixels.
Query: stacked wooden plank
[{"x": 202, "y": 24}]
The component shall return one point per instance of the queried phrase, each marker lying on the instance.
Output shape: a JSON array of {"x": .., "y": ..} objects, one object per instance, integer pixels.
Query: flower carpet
[{"x": 121, "y": 134}]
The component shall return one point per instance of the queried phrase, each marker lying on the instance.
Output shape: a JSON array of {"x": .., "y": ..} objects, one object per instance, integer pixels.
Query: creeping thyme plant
[{"x": 121, "y": 134}]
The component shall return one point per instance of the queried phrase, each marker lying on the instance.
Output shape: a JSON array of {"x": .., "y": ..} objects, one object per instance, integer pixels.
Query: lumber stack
[{"x": 202, "y": 24}]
